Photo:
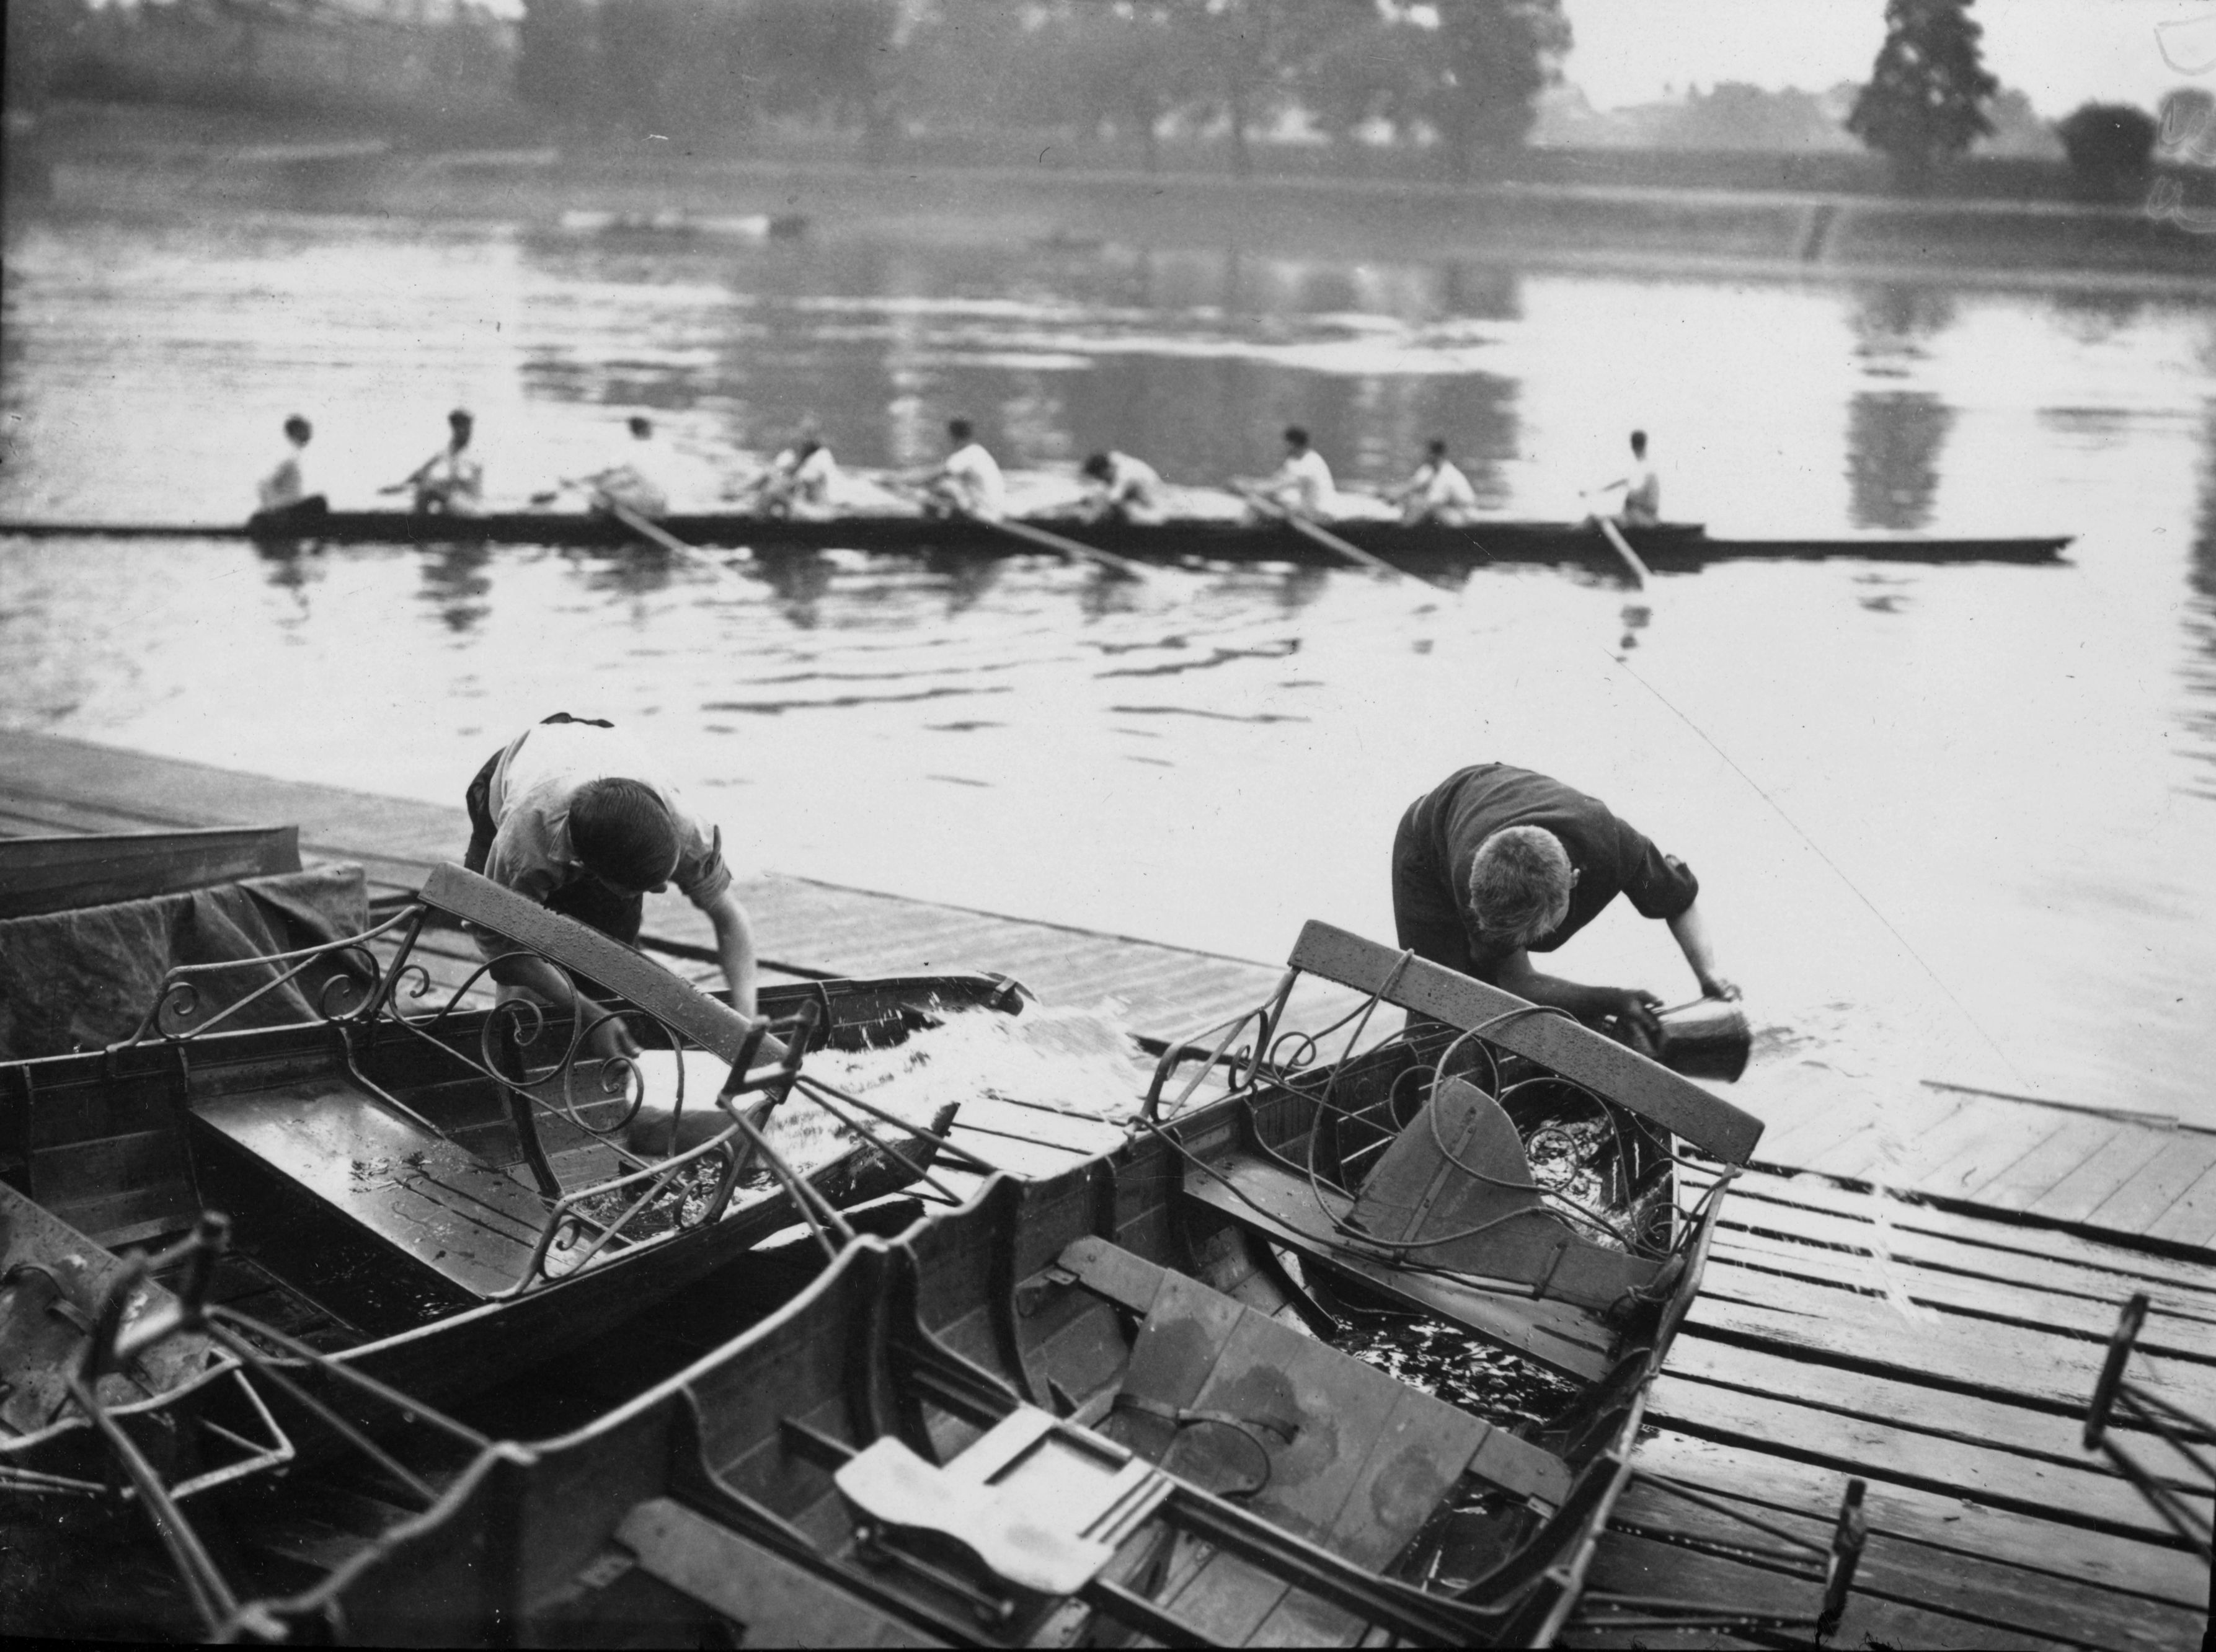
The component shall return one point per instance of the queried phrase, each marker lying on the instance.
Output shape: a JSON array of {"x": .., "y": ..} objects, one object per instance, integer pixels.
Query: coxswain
[
  {"x": 1125, "y": 489},
  {"x": 1495, "y": 863},
  {"x": 635, "y": 483},
  {"x": 968, "y": 481},
  {"x": 1301, "y": 485},
  {"x": 1437, "y": 492},
  {"x": 572, "y": 814},
  {"x": 801, "y": 480},
  {"x": 286, "y": 488},
  {"x": 1642, "y": 488},
  {"x": 451, "y": 480}
]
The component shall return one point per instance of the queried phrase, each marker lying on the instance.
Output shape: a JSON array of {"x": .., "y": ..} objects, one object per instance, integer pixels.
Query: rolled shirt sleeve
[{"x": 1659, "y": 885}]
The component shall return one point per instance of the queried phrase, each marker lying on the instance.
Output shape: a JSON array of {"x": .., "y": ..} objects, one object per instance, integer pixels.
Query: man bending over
[
  {"x": 1496, "y": 863},
  {"x": 574, "y": 816}
]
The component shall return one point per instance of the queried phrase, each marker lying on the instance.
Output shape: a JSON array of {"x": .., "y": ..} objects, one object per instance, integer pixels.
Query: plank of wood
[
  {"x": 2030, "y": 1306},
  {"x": 2028, "y": 1238},
  {"x": 1911, "y": 1407},
  {"x": 2023, "y": 1131},
  {"x": 1912, "y": 1573},
  {"x": 2192, "y": 1219},
  {"x": 1946, "y": 1522},
  {"x": 2006, "y": 1361},
  {"x": 2077, "y": 1195},
  {"x": 2023, "y": 1182},
  {"x": 1747, "y": 1218},
  {"x": 1641, "y": 1566},
  {"x": 2068, "y": 1496},
  {"x": 2140, "y": 1202}
]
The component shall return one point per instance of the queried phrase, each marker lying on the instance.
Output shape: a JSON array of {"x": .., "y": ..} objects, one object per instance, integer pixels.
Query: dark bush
[{"x": 2109, "y": 145}]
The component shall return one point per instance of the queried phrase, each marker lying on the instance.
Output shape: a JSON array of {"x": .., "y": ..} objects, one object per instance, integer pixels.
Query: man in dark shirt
[{"x": 1496, "y": 863}]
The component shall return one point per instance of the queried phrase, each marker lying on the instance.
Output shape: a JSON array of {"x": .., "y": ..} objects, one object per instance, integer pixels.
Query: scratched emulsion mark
[{"x": 2188, "y": 137}]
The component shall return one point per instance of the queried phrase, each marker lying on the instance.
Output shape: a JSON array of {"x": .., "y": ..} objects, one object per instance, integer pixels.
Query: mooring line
[{"x": 1817, "y": 849}]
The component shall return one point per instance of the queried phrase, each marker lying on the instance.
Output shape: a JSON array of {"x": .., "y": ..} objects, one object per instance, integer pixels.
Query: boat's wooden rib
[{"x": 1669, "y": 546}]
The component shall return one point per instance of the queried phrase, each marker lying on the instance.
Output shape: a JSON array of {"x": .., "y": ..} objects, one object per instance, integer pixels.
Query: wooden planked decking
[{"x": 1939, "y": 1345}]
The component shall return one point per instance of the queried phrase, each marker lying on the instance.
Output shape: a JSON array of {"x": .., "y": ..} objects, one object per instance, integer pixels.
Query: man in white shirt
[
  {"x": 968, "y": 482},
  {"x": 451, "y": 481},
  {"x": 801, "y": 481},
  {"x": 1437, "y": 492},
  {"x": 572, "y": 814},
  {"x": 1642, "y": 488},
  {"x": 636, "y": 481},
  {"x": 1303, "y": 484},
  {"x": 286, "y": 488},
  {"x": 1125, "y": 489}
]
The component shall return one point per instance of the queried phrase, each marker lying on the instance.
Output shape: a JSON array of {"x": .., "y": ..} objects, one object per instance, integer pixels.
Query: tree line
[{"x": 1464, "y": 75}]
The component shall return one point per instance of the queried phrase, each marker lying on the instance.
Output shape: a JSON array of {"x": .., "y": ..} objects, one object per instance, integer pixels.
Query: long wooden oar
[
  {"x": 1640, "y": 573},
  {"x": 1122, "y": 567},
  {"x": 1323, "y": 537}
]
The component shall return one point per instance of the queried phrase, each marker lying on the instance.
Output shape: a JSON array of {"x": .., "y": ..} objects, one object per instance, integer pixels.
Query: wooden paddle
[
  {"x": 1614, "y": 535},
  {"x": 1122, "y": 567},
  {"x": 647, "y": 529},
  {"x": 1323, "y": 537}
]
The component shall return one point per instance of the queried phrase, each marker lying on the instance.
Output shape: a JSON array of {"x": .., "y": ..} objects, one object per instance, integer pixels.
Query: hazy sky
[{"x": 2062, "y": 52}]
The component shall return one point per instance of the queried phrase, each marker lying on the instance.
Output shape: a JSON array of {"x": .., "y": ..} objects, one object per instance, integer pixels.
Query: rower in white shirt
[
  {"x": 801, "y": 480},
  {"x": 1642, "y": 488},
  {"x": 968, "y": 482},
  {"x": 451, "y": 480},
  {"x": 637, "y": 481},
  {"x": 1125, "y": 489},
  {"x": 286, "y": 488},
  {"x": 1303, "y": 484},
  {"x": 1437, "y": 492}
]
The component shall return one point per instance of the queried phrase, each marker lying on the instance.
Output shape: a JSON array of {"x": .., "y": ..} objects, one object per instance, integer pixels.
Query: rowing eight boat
[{"x": 1671, "y": 545}]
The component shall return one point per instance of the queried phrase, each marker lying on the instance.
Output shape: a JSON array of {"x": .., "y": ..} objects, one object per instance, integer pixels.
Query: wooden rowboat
[
  {"x": 436, "y": 1199},
  {"x": 1669, "y": 546},
  {"x": 1104, "y": 1404}
]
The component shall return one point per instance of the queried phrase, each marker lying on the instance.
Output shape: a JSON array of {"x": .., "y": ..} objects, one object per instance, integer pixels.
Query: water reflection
[
  {"x": 1893, "y": 442},
  {"x": 1893, "y": 321},
  {"x": 2199, "y": 616},
  {"x": 457, "y": 583},
  {"x": 2091, "y": 316},
  {"x": 797, "y": 581}
]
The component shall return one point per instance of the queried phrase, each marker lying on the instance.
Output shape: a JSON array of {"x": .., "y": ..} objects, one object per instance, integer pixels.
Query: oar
[
  {"x": 1323, "y": 537},
  {"x": 1640, "y": 573},
  {"x": 1122, "y": 567},
  {"x": 644, "y": 527}
]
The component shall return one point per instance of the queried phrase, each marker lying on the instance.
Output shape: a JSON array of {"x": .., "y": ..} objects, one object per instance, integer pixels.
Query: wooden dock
[{"x": 1941, "y": 1345}]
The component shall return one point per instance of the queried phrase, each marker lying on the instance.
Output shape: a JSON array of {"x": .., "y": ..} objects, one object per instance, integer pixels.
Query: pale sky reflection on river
[{"x": 2011, "y": 766}]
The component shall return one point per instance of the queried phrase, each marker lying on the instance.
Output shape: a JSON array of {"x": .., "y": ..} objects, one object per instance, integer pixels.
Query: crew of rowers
[{"x": 802, "y": 481}]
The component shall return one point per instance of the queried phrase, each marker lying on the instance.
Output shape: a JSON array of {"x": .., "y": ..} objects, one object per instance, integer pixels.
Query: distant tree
[
  {"x": 1493, "y": 59},
  {"x": 2018, "y": 128},
  {"x": 1127, "y": 65},
  {"x": 822, "y": 56},
  {"x": 42, "y": 35},
  {"x": 1733, "y": 115},
  {"x": 1924, "y": 102},
  {"x": 2110, "y": 146},
  {"x": 1377, "y": 67},
  {"x": 557, "y": 60},
  {"x": 2189, "y": 125}
]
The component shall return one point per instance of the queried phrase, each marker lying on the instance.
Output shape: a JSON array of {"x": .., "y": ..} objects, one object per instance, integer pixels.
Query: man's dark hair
[
  {"x": 299, "y": 428},
  {"x": 1436, "y": 447},
  {"x": 641, "y": 426},
  {"x": 1095, "y": 464},
  {"x": 1297, "y": 435},
  {"x": 1638, "y": 441},
  {"x": 958, "y": 429},
  {"x": 460, "y": 418},
  {"x": 621, "y": 832}
]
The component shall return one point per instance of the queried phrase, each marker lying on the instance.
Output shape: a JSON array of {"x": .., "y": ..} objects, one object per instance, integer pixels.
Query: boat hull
[{"x": 1669, "y": 546}]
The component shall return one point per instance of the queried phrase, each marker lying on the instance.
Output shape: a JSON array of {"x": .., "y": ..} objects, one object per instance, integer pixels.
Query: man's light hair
[{"x": 1519, "y": 882}]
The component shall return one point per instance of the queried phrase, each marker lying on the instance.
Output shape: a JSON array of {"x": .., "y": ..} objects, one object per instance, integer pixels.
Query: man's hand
[
  {"x": 1634, "y": 1004},
  {"x": 611, "y": 1041},
  {"x": 1715, "y": 986}
]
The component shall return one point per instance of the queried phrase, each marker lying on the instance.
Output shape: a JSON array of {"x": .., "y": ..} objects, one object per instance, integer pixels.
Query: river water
[{"x": 1951, "y": 823}]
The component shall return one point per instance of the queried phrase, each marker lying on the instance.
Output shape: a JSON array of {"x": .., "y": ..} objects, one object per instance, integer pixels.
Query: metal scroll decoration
[{"x": 587, "y": 1084}]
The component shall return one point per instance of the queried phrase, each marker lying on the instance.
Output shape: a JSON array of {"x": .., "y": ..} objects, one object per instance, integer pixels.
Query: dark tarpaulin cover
[{"x": 83, "y": 979}]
